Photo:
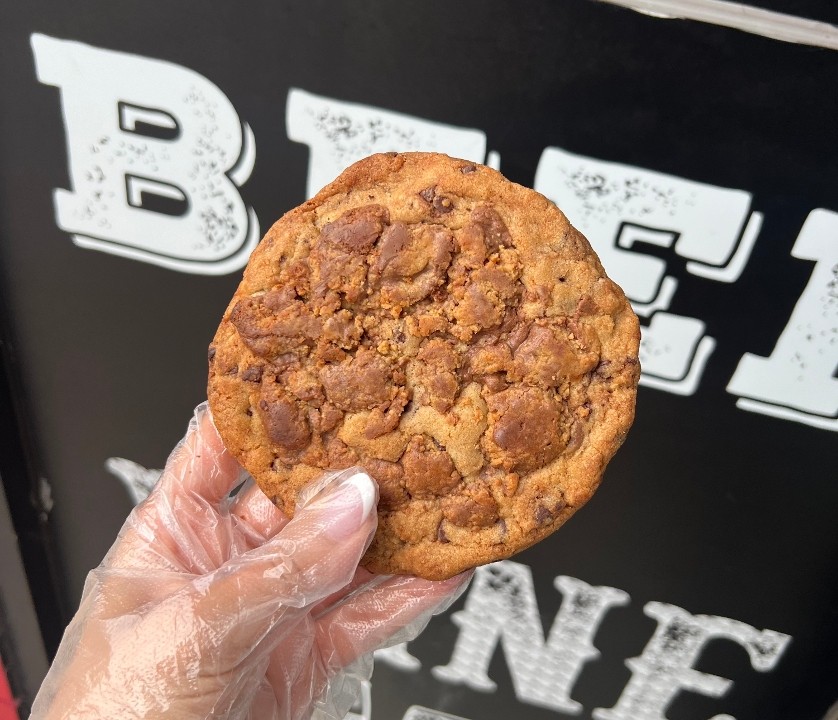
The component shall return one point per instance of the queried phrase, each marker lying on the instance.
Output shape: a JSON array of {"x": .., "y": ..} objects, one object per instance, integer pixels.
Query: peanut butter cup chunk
[{"x": 445, "y": 329}]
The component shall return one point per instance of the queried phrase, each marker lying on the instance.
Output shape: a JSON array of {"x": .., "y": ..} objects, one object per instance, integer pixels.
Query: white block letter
[
  {"x": 155, "y": 154},
  {"x": 617, "y": 206},
  {"x": 797, "y": 381},
  {"x": 666, "y": 664},
  {"x": 417, "y": 712},
  {"x": 340, "y": 133},
  {"x": 397, "y": 656},
  {"x": 501, "y": 607}
]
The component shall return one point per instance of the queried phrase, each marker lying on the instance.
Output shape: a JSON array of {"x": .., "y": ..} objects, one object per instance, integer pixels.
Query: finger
[
  {"x": 200, "y": 464},
  {"x": 177, "y": 529},
  {"x": 295, "y": 678},
  {"x": 394, "y": 609},
  {"x": 317, "y": 552},
  {"x": 312, "y": 557},
  {"x": 257, "y": 516},
  {"x": 361, "y": 578},
  {"x": 178, "y": 526}
]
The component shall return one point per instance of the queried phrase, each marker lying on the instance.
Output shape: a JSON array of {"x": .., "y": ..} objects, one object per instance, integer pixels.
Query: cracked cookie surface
[{"x": 448, "y": 331}]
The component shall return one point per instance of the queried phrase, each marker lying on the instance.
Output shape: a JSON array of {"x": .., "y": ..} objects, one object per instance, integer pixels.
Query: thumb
[
  {"x": 313, "y": 556},
  {"x": 332, "y": 527}
]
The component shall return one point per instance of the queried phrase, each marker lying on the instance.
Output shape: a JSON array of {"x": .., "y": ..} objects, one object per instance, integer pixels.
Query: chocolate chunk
[
  {"x": 410, "y": 263},
  {"x": 577, "y": 435},
  {"x": 440, "y": 534},
  {"x": 278, "y": 298},
  {"x": 495, "y": 233},
  {"x": 477, "y": 508},
  {"x": 405, "y": 253},
  {"x": 440, "y": 242},
  {"x": 440, "y": 203},
  {"x": 428, "y": 469},
  {"x": 517, "y": 336},
  {"x": 467, "y": 169},
  {"x": 356, "y": 230},
  {"x": 479, "y": 241},
  {"x": 211, "y": 353},
  {"x": 395, "y": 240},
  {"x": 336, "y": 273},
  {"x": 548, "y": 509},
  {"x": 252, "y": 374},
  {"x": 283, "y": 363},
  {"x": 525, "y": 424},
  {"x": 328, "y": 353},
  {"x": 285, "y": 422},
  {"x": 389, "y": 476},
  {"x": 361, "y": 383},
  {"x": 586, "y": 306},
  {"x": 495, "y": 382},
  {"x": 269, "y": 332},
  {"x": 338, "y": 259}
]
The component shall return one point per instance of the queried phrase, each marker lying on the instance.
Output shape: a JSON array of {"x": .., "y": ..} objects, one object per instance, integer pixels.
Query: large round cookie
[{"x": 445, "y": 329}]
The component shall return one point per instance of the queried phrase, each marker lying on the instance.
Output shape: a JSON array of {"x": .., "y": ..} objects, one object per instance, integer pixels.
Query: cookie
[{"x": 448, "y": 331}]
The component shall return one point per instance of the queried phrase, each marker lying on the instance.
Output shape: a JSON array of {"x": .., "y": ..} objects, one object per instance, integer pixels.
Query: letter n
[{"x": 501, "y": 608}]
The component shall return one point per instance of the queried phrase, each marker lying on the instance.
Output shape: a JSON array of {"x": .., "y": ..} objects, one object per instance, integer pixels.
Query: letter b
[{"x": 155, "y": 153}]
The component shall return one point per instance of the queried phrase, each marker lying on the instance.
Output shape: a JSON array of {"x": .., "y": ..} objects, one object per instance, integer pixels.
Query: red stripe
[{"x": 8, "y": 706}]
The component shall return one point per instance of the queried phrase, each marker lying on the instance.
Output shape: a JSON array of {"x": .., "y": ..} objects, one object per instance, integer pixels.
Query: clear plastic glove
[{"x": 212, "y": 606}]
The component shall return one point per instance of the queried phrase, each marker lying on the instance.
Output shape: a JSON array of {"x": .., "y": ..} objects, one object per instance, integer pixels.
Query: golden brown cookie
[{"x": 445, "y": 329}]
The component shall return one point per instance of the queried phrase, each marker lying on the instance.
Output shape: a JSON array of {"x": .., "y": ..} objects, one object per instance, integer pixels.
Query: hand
[{"x": 212, "y": 606}]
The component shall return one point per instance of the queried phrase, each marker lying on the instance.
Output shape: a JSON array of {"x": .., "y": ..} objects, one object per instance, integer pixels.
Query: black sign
[{"x": 147, "y": 148}]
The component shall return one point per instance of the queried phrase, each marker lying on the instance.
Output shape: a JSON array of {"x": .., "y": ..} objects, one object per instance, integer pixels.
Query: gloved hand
[{"x": 212, "y": 606}]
